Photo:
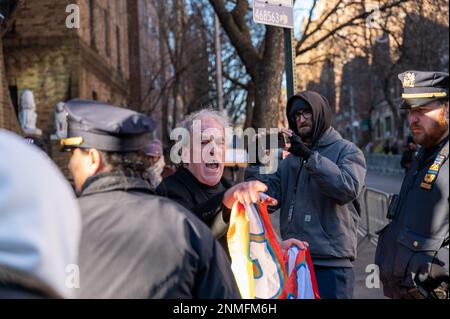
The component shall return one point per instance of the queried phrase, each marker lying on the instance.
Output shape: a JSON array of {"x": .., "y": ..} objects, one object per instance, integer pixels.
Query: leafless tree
[
  {"x": 263, "y": 62},
  {"x": 415, "y": 43}
]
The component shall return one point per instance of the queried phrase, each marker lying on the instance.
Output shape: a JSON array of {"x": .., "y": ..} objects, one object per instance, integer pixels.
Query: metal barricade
[
  {"x": 385, "y": 164},
  {"x": 373, "y": 214}
]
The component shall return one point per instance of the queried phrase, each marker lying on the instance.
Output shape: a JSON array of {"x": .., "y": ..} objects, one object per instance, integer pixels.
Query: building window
[
  {"x": 406, "y": 131},
  {"x": 150, "y": 28},
  {"x": 107, "y": 32},
  {"x": 387, "y": 126},
  {"x": 378, "y": 128},
  {"x": 119, "y": 66},
  {"x": 92, "y": 22},
  {"x": 149, "y": 25},
  {"x": 13, "y": 92}
]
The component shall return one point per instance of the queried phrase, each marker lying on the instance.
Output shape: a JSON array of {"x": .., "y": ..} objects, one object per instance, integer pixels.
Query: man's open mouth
[{"x": 213, "y": 165}]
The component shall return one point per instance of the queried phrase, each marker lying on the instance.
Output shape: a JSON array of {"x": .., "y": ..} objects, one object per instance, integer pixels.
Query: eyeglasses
[{"x": 306, "y": 114}]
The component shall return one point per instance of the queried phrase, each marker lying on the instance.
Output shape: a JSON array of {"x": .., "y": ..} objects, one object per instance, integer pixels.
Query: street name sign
[{"x": 279, "y": 13}]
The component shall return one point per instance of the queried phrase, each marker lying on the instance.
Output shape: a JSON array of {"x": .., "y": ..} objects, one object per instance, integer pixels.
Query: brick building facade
[
  {"x": 42, "y": 53},
  {"x": 8, "y": 117},
  {"x": 58, "y": 63}
]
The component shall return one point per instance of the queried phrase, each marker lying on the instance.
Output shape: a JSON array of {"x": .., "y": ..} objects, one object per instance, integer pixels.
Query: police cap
[
  {"x": 420, "y": 88},
  {"x": 92, "y": 124}
]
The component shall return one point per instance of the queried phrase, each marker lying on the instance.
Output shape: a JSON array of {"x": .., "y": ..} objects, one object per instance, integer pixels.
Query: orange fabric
[{"x": 258, "y": 263}]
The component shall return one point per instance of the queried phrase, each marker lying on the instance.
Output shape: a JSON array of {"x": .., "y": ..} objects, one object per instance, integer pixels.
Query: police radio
[{"x": 393, "y": 206}]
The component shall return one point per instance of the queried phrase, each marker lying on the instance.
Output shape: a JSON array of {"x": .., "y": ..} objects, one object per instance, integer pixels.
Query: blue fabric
[{"x": 335, "y": 282}]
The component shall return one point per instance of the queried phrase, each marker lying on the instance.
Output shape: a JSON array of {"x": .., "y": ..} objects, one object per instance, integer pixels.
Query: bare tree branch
[
  {"x": 232, "y": 23},
  {"x": 351, "y": 22}
]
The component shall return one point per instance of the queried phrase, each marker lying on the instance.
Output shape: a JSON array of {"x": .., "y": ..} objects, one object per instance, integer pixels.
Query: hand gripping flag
[
  {"x": 261, "y": 269},
  {"x": 301, "y": 282}
]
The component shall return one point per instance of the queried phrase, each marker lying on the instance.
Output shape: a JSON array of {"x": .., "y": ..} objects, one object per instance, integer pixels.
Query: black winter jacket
[{"x": 138, "y": 245}]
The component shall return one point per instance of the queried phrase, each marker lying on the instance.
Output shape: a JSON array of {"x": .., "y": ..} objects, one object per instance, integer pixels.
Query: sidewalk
[{"x": 365, "y": 257}]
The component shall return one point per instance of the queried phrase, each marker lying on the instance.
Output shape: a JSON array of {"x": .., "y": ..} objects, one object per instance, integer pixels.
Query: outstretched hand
[{"x": 247, "y": 193}]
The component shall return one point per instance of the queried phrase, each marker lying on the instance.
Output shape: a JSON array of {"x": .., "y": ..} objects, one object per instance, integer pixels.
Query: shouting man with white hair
[{"x": 199, "y": 184}]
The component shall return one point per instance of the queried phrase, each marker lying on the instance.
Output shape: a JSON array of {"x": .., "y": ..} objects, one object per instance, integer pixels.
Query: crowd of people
[
  {"x": 135, "y": 227},
  {"x": 388, "y": 147}
]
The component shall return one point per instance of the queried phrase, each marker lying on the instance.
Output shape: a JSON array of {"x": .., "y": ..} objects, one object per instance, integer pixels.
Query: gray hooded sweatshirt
[{"x": 322, "y": 192}]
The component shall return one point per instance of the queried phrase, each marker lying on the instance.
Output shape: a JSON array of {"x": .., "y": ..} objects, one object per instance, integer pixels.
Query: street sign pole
[
  {"x": 289, "y": 61},
  {"x": 279, "y": 13}
]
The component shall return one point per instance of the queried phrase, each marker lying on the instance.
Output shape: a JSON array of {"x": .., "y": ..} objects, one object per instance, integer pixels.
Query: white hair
[
  {"x": 217, "y": 116},
  {"x": 186, "y": 130}
]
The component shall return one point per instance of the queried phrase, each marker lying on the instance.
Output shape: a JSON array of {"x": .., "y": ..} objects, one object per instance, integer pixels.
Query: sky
[{"x": 301, "y": 11}]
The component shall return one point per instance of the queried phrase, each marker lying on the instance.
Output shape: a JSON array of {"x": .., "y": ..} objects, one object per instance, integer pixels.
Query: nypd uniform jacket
[
  {"x": 417, "y": 234},
  {"x": 138, "y": 245},
  {"x": 419, "y": 227}
]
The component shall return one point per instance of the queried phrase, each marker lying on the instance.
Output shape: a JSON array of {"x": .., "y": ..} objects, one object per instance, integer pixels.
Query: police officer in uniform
[
  {"x": 412, "y": 250},
  {"x": 134, "y": 244}
]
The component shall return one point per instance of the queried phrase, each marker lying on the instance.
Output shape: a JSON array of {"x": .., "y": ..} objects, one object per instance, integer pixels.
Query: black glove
[{"x": 298, "y": 148}]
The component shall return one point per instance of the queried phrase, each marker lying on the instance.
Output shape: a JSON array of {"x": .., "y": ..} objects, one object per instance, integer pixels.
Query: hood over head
[
  {"x": 321, "y": 110},
  {"x": 39, "y": 217}
]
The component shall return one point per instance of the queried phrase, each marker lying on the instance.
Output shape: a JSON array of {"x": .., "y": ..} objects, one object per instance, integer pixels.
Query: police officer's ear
[{"x": 95, "y": 162}]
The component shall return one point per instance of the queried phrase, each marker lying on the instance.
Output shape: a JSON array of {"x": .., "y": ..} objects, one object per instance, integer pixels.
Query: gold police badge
[
  {"x": 435, "y": 167},
  {"x": 409, "y": 80},
  {"x": 429, "y": 178}
]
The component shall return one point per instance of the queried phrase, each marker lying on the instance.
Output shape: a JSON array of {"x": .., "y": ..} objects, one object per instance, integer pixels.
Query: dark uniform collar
[
  {"x": 427, "y": 155},
  {"x": 113, "y": 181}
]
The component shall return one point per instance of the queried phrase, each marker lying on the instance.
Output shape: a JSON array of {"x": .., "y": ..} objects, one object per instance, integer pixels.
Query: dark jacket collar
[
  {"x": 184, "y": 174},
  {"x": 425, "y": 156},
  {"x": 107, "y": 182}
]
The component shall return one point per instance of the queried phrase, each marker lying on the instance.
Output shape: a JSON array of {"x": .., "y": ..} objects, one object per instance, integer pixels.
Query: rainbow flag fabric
[{"x": 262, "y": 270}]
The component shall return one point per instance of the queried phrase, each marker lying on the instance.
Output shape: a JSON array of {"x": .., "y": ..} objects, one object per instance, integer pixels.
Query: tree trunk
[
  {"x": 249, "y": 105},
  {"x": 165, "y": 62},
  {"x": 263, "y": 64},
  {"x": 218, "y": 54},
  {"x": 267, "y": 90},
  {"x": 268, "y": 81}
]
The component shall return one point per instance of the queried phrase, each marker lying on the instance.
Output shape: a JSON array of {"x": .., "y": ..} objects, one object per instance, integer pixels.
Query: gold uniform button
[{"x": 415, "y": 243}]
